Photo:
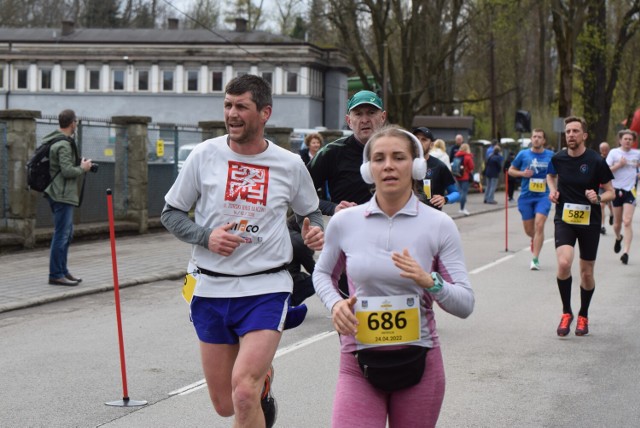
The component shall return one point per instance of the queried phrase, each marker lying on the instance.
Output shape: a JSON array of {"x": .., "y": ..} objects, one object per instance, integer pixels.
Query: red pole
[
  {"x": 126, "y": 401},
  {"x": 116, "y": 289},
  {"x": 506, "y": 212}
]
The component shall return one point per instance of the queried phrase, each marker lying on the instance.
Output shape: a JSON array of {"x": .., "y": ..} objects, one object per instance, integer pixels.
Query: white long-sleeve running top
[{"x": 364, "y": 238}]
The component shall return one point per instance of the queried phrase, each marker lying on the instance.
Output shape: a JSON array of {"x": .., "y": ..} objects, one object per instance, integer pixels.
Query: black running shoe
[
  {"x": 624, "y": 259},
  {"x": 603, "y": 231},
  {"x": 610, "y": 220},
  {"x": 268, "y": 402},
  {"x": 618, "y": 245}
]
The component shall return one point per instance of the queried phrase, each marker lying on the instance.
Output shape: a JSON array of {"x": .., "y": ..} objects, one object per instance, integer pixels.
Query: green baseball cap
[{"x": 364, "y": 97}]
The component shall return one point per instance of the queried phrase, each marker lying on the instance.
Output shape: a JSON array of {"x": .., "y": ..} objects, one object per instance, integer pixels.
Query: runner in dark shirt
[{"x": 573, "y": 177}]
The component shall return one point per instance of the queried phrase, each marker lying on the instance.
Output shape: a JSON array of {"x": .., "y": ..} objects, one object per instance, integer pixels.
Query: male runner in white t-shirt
[
  {"x": 240, "y": 186},
  {"x": 623, "y": 162}
]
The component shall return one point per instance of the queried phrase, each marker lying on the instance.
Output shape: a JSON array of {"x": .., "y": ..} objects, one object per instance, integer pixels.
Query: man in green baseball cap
[{"x": 335, "y": 169}]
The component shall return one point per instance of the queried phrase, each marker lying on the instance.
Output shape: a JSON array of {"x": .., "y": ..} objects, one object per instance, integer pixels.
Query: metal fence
[
  {"x": 96, "y": 140},
  {"x": 4, "y": 174},
  {"x": 164, "y": 149}
]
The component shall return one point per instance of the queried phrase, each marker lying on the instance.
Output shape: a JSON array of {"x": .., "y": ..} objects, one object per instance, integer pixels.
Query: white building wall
[
  {"x": 32, "y": 78},
  {"x": 56, "y": 78},
  {"x": 81, "y": 76},
  {"x": 105, "y": 78}
]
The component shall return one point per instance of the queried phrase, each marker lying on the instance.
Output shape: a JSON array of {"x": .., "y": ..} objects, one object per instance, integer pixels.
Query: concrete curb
[{"x": 78, "y": 292}]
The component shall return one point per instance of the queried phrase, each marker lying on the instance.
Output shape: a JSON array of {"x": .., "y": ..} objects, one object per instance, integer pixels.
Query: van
[{"x": 183, "y": 153}]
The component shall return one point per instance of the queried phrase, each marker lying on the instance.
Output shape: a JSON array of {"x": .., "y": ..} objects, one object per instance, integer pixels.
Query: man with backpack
[
  {"x": 454, "y": 149},
  {"x": 63, "y": 194}
]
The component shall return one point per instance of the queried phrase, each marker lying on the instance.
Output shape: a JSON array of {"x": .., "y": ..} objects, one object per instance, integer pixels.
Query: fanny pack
[
  {"x": 226, "y": 275},
  {"x": 393, "y": 370}
]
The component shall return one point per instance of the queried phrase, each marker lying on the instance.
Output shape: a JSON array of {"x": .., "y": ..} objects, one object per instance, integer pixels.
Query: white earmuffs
[{"x": 418, "y": 169}]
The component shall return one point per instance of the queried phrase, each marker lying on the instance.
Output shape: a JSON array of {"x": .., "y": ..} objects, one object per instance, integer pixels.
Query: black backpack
[{"x": 38, "y": 177}]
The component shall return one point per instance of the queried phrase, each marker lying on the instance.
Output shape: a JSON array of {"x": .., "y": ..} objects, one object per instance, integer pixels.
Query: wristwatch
[
  {"x": 599, "y": 199},
  {"x": 446, "y": 200},
  {"x": 438, "y": 282}
]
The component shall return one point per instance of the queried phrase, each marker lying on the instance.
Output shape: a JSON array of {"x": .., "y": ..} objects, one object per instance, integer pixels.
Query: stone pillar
[
  {"x": 280, "y": 136},
  {"x": 21, "y": 203},
  {"x": 212, "y": 129},
  {"x": 131, "y": 170}
]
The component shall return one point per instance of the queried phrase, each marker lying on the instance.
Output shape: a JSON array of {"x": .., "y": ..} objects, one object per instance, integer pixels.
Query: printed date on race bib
[{"x": 576, "y": 214}]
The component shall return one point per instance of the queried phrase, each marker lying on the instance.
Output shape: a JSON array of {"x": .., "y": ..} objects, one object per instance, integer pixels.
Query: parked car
[
  {"x": 298, "y": 135},
  {"x": 183, "y": 153}
]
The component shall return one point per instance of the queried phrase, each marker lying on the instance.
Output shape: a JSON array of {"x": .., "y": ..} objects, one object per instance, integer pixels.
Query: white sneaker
[
  {"x": 534, "y": 265},
  {"x": 465, "y": 212}
]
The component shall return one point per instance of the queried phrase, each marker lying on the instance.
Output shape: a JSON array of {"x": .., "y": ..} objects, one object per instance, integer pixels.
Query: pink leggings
[{"x": 358, "y": 404}]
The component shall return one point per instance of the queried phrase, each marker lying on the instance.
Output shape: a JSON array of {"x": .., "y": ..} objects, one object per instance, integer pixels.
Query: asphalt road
[{"x": 505, "y": 366}]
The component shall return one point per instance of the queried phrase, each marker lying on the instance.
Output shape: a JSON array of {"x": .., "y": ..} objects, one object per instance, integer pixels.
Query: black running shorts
[
  {"x": 623, "y": 197},
  {"x": 588, "y": 238}
]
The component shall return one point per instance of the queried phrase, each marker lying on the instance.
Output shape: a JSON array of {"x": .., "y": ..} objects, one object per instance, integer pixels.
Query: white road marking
[
  {"x": 492, "y": 264},
  {"x": 279, "y": 353},
  {"x": 502, "y": 260},
  {"x": 306, "y": 342}
]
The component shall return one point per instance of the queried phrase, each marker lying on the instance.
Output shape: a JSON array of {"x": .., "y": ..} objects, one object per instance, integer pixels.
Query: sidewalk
[{"x": 140, "y": 260}]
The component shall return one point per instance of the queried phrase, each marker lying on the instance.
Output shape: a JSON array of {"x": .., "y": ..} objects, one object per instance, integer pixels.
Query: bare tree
[
  {"x": 404, "y": 47},
  {"x": 203, "y": 14},
  {"x": 253, "y": 13},
  {"x": 568, "y": 20},
  {"x": 600, "y": 63},
  {"x": 319, "y": 29},
  {"x": 288, "y": 12}
]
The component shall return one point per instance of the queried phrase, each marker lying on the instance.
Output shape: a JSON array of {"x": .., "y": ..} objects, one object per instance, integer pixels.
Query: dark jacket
[
  {"x": 335, "y": 171},
  {"x": 493, "y": 165}
]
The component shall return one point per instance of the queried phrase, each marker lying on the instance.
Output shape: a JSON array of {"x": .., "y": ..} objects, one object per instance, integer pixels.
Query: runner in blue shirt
[{"x": 534, "y": 205}]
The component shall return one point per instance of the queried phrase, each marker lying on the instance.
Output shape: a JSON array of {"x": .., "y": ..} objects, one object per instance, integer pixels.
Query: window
[
  {"x": 2, "y": 78},
  {"x": 268, "y": 76},
  {"x": 292, "y": 81},
  {"x": 94, "y": 80},
  {"x": 118, "y": 80},
  {"x": 217, "y": 81},
  {"x": 22, "y": 79},
  {"x": 45, "y": 78},
  {"x": 192, "y": 80},
  {"x": 167, "y": 80},
  {"x": 69, "y": 80},
  {"x": 143, "y": 80}
]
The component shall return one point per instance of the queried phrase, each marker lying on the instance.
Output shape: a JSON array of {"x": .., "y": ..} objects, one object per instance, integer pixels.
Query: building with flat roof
[
  {"x": 446, "y": 127},
  {"x": 172, "y": 75}
]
